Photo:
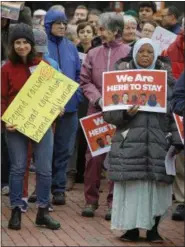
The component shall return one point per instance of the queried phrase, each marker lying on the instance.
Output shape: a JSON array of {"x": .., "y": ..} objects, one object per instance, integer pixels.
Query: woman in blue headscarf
[{"x": 143, "y": 190}]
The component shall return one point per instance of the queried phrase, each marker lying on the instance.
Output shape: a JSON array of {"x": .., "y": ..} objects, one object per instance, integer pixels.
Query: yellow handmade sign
[{"x": 39, "y": 101}]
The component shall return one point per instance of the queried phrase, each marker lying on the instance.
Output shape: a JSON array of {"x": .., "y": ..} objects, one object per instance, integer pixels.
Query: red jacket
[
  {"x": 13, "y": 78},
  {"x": 176, "y": 54}
]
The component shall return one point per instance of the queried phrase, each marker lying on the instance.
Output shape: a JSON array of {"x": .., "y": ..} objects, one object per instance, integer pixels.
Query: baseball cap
[{"x": 41, "y": 40}]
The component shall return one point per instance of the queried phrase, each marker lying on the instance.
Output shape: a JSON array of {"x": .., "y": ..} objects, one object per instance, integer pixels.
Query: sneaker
[
  {"x": 108, "y": 214},
  {"x": 89, "y": 210},
  {"x": 50, "y": 207},
  {"x": 24, "y": 208},
  {"x": 5, "y": 190},
  {"x": 179, "y": 214},
  {"x": 59, "y": 198}
]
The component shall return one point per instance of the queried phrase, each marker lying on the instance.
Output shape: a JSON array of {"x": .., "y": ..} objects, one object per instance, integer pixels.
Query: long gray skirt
[{"x": 137, "y": 203}]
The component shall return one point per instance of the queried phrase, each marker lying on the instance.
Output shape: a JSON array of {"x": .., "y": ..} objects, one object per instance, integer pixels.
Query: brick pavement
[{"x": 77, "y": 230}]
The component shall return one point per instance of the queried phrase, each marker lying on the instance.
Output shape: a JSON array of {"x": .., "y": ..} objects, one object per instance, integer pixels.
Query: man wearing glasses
[
  {"x": 170, "y": 17},
  {"x": 65, "y": 54}
]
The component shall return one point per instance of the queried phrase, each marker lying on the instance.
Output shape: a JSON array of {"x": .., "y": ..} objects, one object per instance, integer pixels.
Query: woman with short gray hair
[
  {"x": 99, "y": 60},
  {"x": 129, "y": 30},
  {"x": 113, "y": 22}
]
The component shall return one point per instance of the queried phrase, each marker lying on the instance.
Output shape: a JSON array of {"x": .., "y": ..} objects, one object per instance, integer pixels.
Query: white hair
[
  {"x": 111, "y": 21},
  {"x": 129, "y": 19}
]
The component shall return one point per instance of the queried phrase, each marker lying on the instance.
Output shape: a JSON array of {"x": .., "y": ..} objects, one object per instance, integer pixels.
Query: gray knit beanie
[{"x": 19, "y": 31}]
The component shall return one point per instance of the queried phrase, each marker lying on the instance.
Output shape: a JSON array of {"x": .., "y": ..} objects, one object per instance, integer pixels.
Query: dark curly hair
[{"x": 148, "y": 4}]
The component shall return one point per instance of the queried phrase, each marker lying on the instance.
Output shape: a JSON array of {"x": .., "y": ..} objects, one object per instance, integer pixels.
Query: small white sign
[{"x": 163, "y": 38}]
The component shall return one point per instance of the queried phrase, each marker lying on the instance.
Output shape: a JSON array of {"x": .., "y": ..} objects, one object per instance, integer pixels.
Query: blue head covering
[{"x": 138, "y": 45}]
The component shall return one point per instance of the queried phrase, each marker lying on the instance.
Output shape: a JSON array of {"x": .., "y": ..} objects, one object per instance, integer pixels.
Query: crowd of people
[{"x": 82, "y": 48}]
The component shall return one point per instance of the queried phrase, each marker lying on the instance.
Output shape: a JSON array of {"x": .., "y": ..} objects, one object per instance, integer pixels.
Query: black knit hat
[{"x": 19, "y": 31}]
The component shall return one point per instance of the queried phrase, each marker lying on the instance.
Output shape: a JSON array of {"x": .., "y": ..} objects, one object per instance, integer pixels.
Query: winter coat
[
  {"x": 175, "y": 28},
  {"x": 175, "y": 52},
  {"x": 13, "y": 78},
  {"x": 64, "y": 52},
  {"x": 139, "y": 146},
  {"x": 178, "y": 98},
  {"x": 99, "y": 60},
  {"x": 81, "y": 49}
]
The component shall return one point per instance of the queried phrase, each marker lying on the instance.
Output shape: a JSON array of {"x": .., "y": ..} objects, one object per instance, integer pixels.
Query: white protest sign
[{"x": 163, "y": 38}]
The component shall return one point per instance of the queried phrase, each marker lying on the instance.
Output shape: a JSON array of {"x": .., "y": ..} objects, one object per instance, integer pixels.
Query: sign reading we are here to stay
[{"x": 39, "y": 101}]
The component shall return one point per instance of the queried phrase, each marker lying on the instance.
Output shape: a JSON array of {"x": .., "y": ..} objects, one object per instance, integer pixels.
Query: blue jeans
[
  {"x": 43, "y": 152},
  {"x": 64, "y": 141}
]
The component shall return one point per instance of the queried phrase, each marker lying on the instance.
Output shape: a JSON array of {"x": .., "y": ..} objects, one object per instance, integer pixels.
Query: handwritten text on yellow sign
[{"x": 39, "y": 101}]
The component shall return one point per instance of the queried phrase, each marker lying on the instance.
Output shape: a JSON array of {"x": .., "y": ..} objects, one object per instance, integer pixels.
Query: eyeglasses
[
  {"x": 60, "y": 22},
  {"x": 162, "y": 16}
]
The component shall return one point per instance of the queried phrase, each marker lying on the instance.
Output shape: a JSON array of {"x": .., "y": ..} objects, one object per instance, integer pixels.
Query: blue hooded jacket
[
  {"x": 52, "y": 62},
  {"x": 64, "y": 52}
]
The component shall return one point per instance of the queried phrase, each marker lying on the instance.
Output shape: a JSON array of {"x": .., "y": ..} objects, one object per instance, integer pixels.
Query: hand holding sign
[
  {"x": 62, "y": 111},
  {"x": 132, "y": 111},
  {"x": 41, "y": 99},
  {"x": 144, "y": 88},
  {"x": 11, "y": 127},
  {"x": 98, "y": 133}
]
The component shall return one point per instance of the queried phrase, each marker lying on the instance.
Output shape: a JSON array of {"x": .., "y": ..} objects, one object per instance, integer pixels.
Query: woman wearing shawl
[{"x": 143, "y": 190}]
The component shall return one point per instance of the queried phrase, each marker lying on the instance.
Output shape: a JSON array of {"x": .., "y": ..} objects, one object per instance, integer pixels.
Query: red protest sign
[
  {"x": 98, "y": 133},
  {"x": 179, "y": 123},
  {"x": 147, "y": 88}
]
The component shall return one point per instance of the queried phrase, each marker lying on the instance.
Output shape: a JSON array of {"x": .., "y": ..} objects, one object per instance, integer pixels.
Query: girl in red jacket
[{"x": 15, "y": 73}]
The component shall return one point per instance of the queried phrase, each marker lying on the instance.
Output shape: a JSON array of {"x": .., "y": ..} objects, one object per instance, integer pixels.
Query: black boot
[
  {"x": 130, "y": 235},
  {"x": 179, "y": 213},
  {"x": 15, "y": 220},
  {"x": 44, "y": 219},
  {"x": 153, "y": 235}
]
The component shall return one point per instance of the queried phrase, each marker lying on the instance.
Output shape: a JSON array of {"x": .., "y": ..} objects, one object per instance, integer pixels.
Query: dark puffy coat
[{"x": 139, "y": 146}]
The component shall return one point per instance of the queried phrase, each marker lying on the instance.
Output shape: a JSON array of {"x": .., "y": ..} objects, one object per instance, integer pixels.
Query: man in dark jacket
[
  {"x": 170, "y": 17},
  {"x": 65, "y": 53},
  {"x": 178, "y": 107}
]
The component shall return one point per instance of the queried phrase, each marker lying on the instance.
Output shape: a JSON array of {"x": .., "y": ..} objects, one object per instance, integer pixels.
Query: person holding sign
[
  {"x": 15, "y": 73},
  {"x": 142, "y": 189},
  {"x": 97, "y": 61}
]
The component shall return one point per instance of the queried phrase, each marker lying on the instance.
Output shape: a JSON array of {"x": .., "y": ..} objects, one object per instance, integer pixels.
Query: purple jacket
[{"x": 99, "y": 60}]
